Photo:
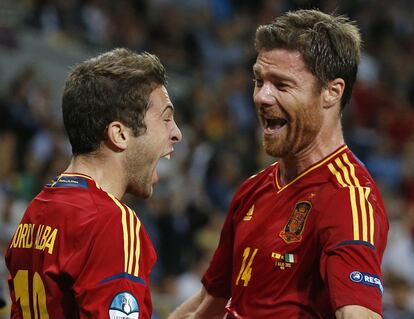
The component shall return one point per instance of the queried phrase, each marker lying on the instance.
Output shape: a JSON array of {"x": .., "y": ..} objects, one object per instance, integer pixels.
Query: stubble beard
[
  {"x": 138, "y": 184},
  {"x": 296, "y": 139},
  {"x": 139, "y": 189},
  {"x": 274, "y": 147}
]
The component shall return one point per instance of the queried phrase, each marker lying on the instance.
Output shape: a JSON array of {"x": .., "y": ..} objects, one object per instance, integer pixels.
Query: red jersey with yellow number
[
  {"x": 79, "y": 253},
  {"x": 305, "y": 249}
]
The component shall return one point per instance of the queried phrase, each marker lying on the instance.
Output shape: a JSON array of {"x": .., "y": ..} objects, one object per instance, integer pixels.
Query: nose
[
  {"x": 263, "y": 95},
  {"x": 176, "y": 133}
]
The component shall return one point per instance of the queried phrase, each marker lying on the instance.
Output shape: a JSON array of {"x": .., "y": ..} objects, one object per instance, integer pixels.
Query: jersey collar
[{"x": 307, "y": 171}]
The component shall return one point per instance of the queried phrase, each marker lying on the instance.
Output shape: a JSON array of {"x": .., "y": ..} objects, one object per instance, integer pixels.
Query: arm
[
  {"x": 352, "y": 253},
  {"x": 200, "y": 306},
  {"x": 108, "y": 281},
  {"x": 356, "y": 312}
]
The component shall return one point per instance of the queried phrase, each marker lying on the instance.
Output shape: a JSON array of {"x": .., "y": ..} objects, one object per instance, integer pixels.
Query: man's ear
[
  {"x": 117, "y": 135},
  {"x": 333, "y": 92}
]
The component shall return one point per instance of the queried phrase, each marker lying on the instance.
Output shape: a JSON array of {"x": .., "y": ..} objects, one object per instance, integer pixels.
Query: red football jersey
[
  {"x": 305, "y": 249},
  {"x": 79, "y": 253}
]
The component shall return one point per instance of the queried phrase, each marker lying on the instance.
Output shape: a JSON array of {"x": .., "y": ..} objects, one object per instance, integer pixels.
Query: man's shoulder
[
  {"x": 77, "y": 198},
  {"x": 349, "y": 171},
  {"x": 348, "y": 185},
  {"x": 256, "y": 185},
  {"x": 262, "y": 175}
]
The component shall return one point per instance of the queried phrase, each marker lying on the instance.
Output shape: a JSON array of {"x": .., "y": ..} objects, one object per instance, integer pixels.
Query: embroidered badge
[
  {"x": 125, "y": 306},
  {"x": 367, "y": 280},
  {"x": 293, "y": 230}
]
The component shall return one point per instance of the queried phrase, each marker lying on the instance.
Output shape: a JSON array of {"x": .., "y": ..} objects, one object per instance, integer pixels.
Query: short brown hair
[
  {"x": 330, "y": 44},
  {"x": 114, "y": 86}
]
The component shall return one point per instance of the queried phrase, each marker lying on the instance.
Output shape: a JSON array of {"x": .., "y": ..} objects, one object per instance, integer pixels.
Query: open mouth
[
  {"x": 168, "y": 155},
  {"x": 274, "y": 123},
  {"x": 161, "y": 166}
]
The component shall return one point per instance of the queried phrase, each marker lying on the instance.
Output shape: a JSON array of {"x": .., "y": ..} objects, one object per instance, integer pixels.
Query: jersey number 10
[{"x": 21, "y": 289}]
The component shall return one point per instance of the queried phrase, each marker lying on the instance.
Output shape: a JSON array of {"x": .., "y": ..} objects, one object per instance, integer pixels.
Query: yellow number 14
[
  {"x": 21, "y": 289},
  {"x": 245, "y": 273}
]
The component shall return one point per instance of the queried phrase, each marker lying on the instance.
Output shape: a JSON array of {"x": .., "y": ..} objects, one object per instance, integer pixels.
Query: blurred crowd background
[{"x": 207, "y": 48}]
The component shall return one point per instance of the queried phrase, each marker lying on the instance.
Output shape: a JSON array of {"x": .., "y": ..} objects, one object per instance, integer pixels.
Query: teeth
[
  {"x": 275, "y": 123},
  {"x": 168, "y": 156}
]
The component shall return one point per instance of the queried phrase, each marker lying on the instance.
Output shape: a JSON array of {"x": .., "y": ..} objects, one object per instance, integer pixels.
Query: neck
[
  {"x": 293, "y": 165},
  {"x": 105, "y": 172}
]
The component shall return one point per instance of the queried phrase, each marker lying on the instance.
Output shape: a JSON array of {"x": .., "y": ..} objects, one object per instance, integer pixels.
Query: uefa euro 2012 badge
[{"x": 124, "y": 306}]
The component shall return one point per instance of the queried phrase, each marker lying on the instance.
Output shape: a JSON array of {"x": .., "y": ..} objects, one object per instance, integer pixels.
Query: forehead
[
  {"x": 159, "y": 99},
  {"x": 284, "y": 61}
]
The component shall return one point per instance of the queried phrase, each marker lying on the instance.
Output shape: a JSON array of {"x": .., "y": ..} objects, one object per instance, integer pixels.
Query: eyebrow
[
  {"x": 168, "y": 107},
  {"x": 273, "y": 75}
]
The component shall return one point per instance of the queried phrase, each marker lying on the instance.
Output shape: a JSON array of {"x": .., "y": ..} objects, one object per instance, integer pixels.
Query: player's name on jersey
[{"x": 35, "y": 236}]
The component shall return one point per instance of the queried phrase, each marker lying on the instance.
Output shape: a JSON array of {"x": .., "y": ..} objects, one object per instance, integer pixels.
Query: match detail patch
[
  {"x": 125, "y": 306},
  {"x": 284, "y": 261},
  {"x": 367, "y": 280}
]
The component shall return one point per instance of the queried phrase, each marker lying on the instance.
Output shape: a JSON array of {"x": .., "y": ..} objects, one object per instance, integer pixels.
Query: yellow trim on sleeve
[
  {"x": 355, "y": 220},
  {"x": 359, "y": 207},
  {"x": 363, "y": 213},
  {"x": 124, "y": 229},
  {"x": 344, "y": 171},
  {"x": 371, "y": 217},
  {"x": 352, "y": 195},
  {"x": 362, "y": 201},
  {"x": 132, "y": 239},
  {"x": 336, "y": 174},
  {"x": 352, "y": 169},
  {"x": 137, "y": 248}
]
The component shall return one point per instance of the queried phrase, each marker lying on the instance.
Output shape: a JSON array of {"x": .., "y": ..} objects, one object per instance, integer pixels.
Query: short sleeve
[
  {"x": 353, "y": 232},
  {"x": 115, "y": 268}
]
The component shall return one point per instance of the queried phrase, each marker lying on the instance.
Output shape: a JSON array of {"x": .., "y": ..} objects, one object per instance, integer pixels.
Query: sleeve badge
[{"x": 125, "y": 306}]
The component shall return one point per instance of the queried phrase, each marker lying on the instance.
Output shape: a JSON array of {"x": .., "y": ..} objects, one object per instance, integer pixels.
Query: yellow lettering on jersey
[
  {"x": 23, "y": 234},
  {"x": 23, "y": 237},
  {"x": 29, "y": 238},
  {"x": 16, "y": 237},
  {"x": 50, "y": 241},
  {"x": 245, "y": 273},
  {"x": 39, "y": 234},
  {"x": 45, "y": 237}
]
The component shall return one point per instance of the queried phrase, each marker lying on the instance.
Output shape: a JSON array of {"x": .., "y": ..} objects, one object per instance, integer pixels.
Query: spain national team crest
[
  {"x": 293, "y": 230},
  {"x": 125, "y": 306}
]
